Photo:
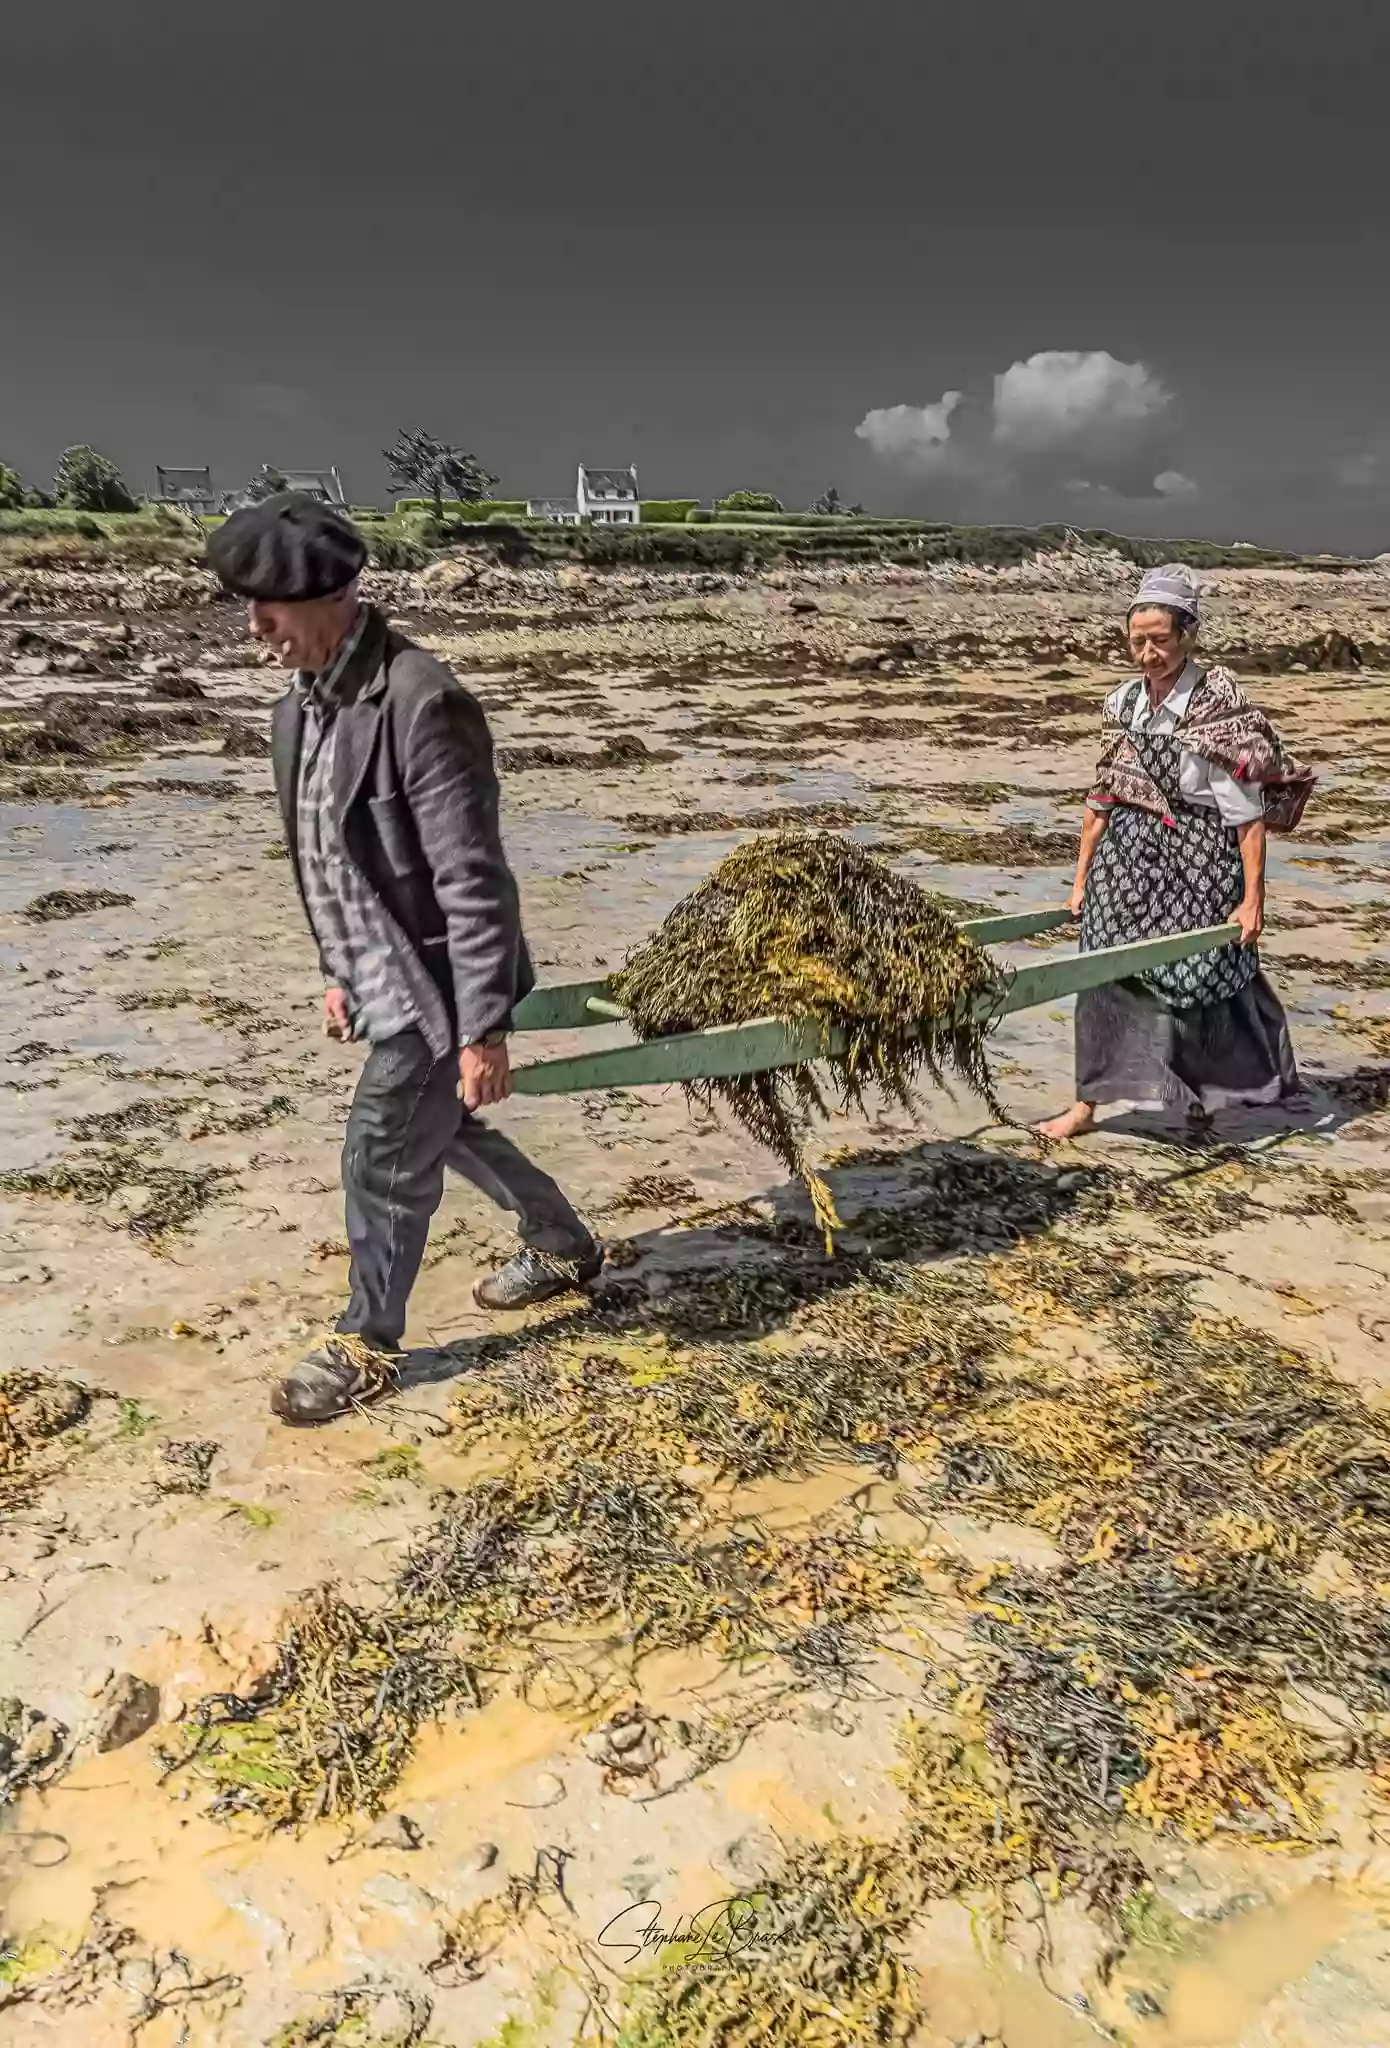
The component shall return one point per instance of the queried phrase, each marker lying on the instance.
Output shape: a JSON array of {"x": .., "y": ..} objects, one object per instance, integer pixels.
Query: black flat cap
[{"x": 286, "y": 549}]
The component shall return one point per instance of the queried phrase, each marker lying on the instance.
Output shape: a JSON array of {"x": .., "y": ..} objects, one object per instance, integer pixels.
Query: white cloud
[
  {"x": 914, "y": 434},
  {"x": 1061, "y": 398},
  {"x": 1054, "y": 418}
]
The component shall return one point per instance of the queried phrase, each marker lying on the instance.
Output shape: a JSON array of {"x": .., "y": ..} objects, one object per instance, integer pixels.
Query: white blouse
[{"x": 1200, "y": 780}]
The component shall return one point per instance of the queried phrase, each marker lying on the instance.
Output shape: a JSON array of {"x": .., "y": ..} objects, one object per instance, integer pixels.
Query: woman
[{"x": 1190, "y": 779}]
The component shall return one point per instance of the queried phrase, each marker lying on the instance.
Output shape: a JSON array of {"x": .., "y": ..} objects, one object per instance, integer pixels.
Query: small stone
[
  {"x": 548, "y": 1789},
  {"x": 138, "y": 1978},
  {"x": 480, "y": 1857},
  {"x": 32, "y": 665},
  {"x": 395, "y": 1831},
  {"x": 1144, "y": 2005},
  {"x": 128, "y": 1708},
  {"x": 626, "y": 1736},
  {"x": 40, "y": 1744}
]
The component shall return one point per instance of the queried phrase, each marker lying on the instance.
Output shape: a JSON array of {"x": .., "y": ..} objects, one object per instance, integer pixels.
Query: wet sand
[{"x": 746, "y": 709}]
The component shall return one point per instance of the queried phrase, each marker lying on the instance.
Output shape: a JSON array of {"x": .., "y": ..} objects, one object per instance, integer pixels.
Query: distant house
[
  {"x": 609, "y": 496},
  {"x": 324, "y": 484},
  {"x": 190, "y": 489},
  {"x": 560, "y": 511},
  {"x": 605, "y": 497}
]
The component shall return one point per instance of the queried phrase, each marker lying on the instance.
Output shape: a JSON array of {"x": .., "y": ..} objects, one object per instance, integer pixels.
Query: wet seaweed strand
[{"x": 810, "y": 925}]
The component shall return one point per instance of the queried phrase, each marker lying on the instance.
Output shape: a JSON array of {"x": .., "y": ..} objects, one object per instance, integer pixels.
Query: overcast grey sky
[{"x": 741, "y": 243}]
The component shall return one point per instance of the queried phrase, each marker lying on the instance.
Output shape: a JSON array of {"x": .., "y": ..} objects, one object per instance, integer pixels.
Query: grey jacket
[{"x": 416, "y": 802}]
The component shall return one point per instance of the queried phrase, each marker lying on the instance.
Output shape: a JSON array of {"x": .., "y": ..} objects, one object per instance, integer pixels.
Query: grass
[
  {"x": 406, "y": 538},
  {"x": 252, "y": 1513},
  {"x": 135, "y": 1419}
]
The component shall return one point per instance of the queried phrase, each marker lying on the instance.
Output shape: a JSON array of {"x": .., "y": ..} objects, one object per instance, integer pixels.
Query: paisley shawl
[{"x": 1223, "y": 726}]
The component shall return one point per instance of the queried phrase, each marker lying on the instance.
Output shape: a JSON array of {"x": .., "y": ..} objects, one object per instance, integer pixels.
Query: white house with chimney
[
  {"x": 609, "y": 496},
  {"x": 603, "y": 497}
]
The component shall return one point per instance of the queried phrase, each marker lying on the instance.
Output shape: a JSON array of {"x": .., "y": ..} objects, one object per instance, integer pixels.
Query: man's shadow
[{"x": 913, "y": 1206}]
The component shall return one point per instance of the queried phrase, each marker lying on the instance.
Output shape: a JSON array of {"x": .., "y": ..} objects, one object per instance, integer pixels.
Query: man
[{"x": 384, "y": 771}]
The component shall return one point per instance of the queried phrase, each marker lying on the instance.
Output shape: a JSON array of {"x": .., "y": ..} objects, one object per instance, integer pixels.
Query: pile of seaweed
[
  {"x": 602, "y": 1523},
  {"x": 808, "y": 925},
  {"x": 1215, "y": 1629}
]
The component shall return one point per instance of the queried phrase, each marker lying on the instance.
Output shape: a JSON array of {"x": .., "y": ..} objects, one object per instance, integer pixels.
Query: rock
[
  {"x": 1144, "y": 2005},
  {"x": 480, "y": 1857},
  {"x": 177, "y": 688},
  {"x": 863, "y": 657},
  {"x": 548, "y": 1790},
  {"x": 41, "y": 1744},
  {"x": 159, "y": 665},
  {"x": 127, "y": 1710},
  {"x": 395, "y": 1831},
  {"x": 443, "y": 579},
  {"x": 33, "y": 665},
  {"x": 29, "y": 1743},
  {"x": 802, "y": 604}
]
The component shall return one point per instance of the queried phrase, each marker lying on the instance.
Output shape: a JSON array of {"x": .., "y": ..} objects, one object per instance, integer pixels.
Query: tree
[
  {"x": 418, "y": 462},
  {"x": 90, "y": 482},
  {"x": 829, "y": 501},
  {"x": 11, "y": 489},
  {"x": 751, "y": 501},
  {"x": 266, "y": 483}
]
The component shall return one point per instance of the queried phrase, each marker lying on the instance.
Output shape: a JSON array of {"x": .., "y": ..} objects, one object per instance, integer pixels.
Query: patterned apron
[{"x": 1152, "y": 875}]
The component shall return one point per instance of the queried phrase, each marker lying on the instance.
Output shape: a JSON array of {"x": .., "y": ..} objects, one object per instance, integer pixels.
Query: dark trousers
[{"x": 405, "y": 1126}]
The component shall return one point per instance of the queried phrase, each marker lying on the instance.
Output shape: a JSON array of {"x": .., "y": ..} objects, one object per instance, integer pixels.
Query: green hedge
[
  {"x": 460, "y": 508},
  {"x": 668, "y": 511}
]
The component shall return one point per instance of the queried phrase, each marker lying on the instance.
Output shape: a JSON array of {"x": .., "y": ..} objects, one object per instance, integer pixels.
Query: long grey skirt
[{"x": 1131, "y": 1047}]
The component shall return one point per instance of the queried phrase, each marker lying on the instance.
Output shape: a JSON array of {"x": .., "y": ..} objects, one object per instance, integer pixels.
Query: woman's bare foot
[{"x": 1072, "y": 1122}]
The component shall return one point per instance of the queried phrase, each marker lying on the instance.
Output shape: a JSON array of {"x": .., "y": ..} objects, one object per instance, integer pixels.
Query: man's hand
[
  {"x": 336, "y": 1021},
  {"x": 485, "y": 1075},
  {"x": 1249, "y": 914}
]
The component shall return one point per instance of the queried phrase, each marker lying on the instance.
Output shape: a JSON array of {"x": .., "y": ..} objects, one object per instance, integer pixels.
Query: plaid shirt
[{"x": 349, "y": 924}]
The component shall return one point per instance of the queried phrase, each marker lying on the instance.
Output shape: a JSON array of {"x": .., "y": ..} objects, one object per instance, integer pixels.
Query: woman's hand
[
  {"x": 1249, "y": 914},
  {"x": 1077, "y": 897}
]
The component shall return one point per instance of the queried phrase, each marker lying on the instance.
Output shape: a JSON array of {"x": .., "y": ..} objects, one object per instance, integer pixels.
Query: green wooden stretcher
[{"x": 726, "y": 1050}]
